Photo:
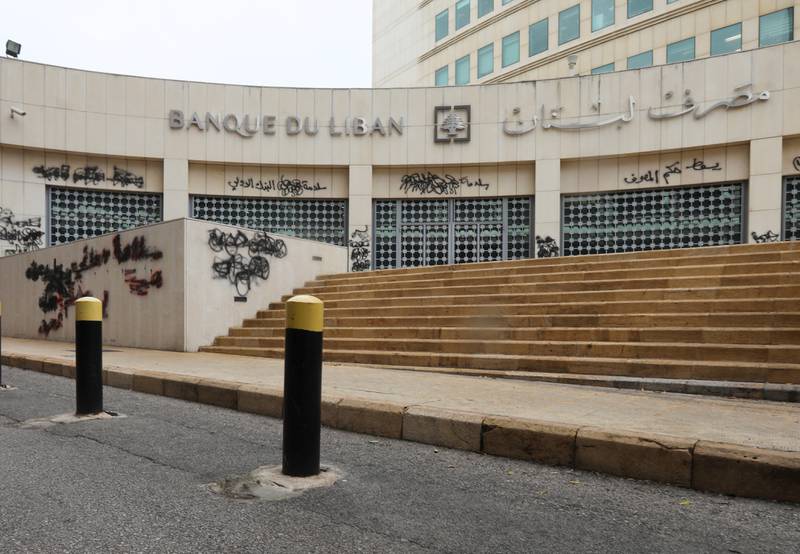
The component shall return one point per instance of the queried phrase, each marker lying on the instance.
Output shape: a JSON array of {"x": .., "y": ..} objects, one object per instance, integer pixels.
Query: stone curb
[{"x": 703, "y": 465}]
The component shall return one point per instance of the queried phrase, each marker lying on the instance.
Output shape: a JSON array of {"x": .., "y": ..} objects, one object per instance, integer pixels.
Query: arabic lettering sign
[{"x": 655, "y": 176}]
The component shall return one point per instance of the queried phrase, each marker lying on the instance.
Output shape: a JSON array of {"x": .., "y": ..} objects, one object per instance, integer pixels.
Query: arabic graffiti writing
[
  {"x": 553, "y": 118},
  {"x": 769, "y": 236},
  {"x": 22, "y": 235},
  {"x": 546, "y": 247},
  {"x": 287, "y": 187},
  {"x": 656, "y": 175},
  {"x": 64, "y": 285},
  {"x": 359, "y": 249},
  {"x": 89, "y": 175},
  {"x": 430, "y": 183},
  {"x": 796, "y": 163},
  {"x": 238, "y": 269}
]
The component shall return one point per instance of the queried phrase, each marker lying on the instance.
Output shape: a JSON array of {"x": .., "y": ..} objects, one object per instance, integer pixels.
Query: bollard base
[
  {"x": 65, "y": 419},
  {"x": 7, "y": 388},
  {"x": 269, "y": 484}
]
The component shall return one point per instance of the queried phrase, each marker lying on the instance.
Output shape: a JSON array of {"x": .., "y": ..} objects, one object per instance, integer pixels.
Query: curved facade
[{"x": 686, "y": 154}]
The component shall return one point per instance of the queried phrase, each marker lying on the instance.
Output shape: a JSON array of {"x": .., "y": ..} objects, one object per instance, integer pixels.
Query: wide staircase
[{"x": 723, "y": 313}]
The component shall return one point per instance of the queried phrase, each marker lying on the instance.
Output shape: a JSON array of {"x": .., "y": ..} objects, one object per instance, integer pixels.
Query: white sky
[{"x": 303, "y": 43}]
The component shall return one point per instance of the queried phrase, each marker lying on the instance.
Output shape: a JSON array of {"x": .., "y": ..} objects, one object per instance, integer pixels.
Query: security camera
[{"x": 15, "y": 111}]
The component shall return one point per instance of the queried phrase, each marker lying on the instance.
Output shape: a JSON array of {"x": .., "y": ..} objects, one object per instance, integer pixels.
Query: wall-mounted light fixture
[
  {"x": 13, "y": 48},
  {"x": 17, "y": 111}
]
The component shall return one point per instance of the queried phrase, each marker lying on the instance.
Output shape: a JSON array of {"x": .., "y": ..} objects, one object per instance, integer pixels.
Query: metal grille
[
  {"x": 320, "y": 220},
  {"x": 413, "y": 233},
  {"x": 791, "y": 208},
  {"x": 653, "y": 219},
  {"x": 79, "y": 214}
]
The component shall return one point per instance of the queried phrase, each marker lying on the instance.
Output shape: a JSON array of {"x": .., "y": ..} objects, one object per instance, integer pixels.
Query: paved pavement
[
  {"x": 771, "y": 425},
  {"x": 137, "y": 484}
]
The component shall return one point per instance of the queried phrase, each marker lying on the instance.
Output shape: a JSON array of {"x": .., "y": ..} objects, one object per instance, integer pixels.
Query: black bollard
[
  {"x": 1, "y": 345},
  {"x": 302, "y": 386},
  {"x": 88, "y": 355}
]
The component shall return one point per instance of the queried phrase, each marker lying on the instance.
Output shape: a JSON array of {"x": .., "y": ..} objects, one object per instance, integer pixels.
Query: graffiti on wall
[
  {"x": 359, "y": 250},
  {"x": 285, "y": 186},
  {"x": 22, "y": 235},
  {"x": 243, "y": 260},
  {"x": 430, "y": 183},
  {"x": 63, "y": 285},
  {"x": 656, "y": 175},
  {"x": 89, "y": 175},
  {"x": 546, "y": 247},
  {"x": 769, "y": 236}
]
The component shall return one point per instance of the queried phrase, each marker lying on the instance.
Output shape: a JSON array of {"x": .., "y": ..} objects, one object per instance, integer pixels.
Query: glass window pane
[
  {"x": 776, "y": 27},
  {"x": 507, "y": 1},
  {"x": 511, "y": 49},
  {"x": 537, "y": 37},
  {"x": 681, "y": 51},
  {"x": 636, "y": 7},
  {"x": 484, "y": 7},
  {"x": 726, "y": 40},
  {"x": 645, "y": 59},
  {"x": 462, "y": 13},
  {"x": 569, "y": 24},
  {"x": 462, "y": 70},
  {"x": 602, "y": 14},
  {"x": 608, "y": 68},
  {"x": 442, "y": 76},
  {"x": 442, "y": 25},
  {"x": 485, "y": 60}
]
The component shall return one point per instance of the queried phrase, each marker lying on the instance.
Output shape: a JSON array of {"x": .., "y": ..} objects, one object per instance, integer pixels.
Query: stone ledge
[
  {"x": 452, "y": 429},
  {"x": 541, "y": 442}
]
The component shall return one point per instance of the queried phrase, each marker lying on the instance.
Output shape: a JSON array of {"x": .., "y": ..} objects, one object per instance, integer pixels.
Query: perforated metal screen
[
  {"x": 791, "y": 208},
  {"x": 79, "y": 214},
  {"x": 411, "y": 233},
  {"x": 321, "y": 220},
  {"x": 653, "y": 219}
]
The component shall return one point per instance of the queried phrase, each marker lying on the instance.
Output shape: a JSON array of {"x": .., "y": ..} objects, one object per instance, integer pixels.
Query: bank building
[{"x": 496, "y": 130}]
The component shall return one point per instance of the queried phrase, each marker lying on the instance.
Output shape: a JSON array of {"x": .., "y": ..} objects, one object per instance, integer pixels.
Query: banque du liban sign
[{"x": 247, "y": 125}]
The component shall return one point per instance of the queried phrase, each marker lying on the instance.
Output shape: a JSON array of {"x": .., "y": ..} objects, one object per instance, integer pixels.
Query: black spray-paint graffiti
[
  {"x": 63, "y": 286},
  {"x": 22, "y": 235},
  {"x": 238, "y": 269},
  {"x": 430, "y": 183},
  {"x": 547, "y": 247},
  {"x": 287, "y": 187},
  {"x": 769, "y": 236},
  {"x": 359, "y": 250},
  {"x": 655, "y": 176},
  {"x": 89, "y": 175},
  {"x": 796, "y": 163}
]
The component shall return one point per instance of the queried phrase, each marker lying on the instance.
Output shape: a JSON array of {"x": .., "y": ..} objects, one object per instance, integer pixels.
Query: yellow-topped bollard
[
  {"x": 302, "y": 386},
  {"x": 88, "y": 355}
]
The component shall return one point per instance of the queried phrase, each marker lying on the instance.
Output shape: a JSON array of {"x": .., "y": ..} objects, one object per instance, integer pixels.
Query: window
[
  {"x": 608, "y": 68},
  {"x": 462, "y": 13},
  {"x": 485, "y": 60},
  {"x": 726, "y": 40},
  {"x": 776, "y": 27},
  {"x": 507, "y": 2},
  {"x": 602, "y": 14},
  {"x": 638, "y": 7},
  {"x": 681, "y": 51},
  {"x": 442, "y": 25},
  {"x": 645, "y": 59},
  {"x": 484, "y": 7},
  {"x": 462, "y": 70},
  {"x": 442, "y": 76},
  {"x": 511, "y": 49},
  {"x": 537, "y": 37},
  {"x": 671, "y": 1},
  {"x": 569, "y": 24}
]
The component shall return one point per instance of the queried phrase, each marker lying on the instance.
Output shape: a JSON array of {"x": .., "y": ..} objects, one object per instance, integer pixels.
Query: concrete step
[
  {"x": 634, "y": 350},
  {"x": 719, "y": 335},
  {"x": 707, "y": 293},
  {"x": 532, "y": 275},
  {"x": 760, "y": 279},
  {"x": 676, "y": 369},
  {"x": 582, "y": 321}
]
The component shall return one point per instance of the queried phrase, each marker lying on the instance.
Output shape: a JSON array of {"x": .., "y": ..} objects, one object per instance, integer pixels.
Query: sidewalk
[{"x": 743, "y": 447}]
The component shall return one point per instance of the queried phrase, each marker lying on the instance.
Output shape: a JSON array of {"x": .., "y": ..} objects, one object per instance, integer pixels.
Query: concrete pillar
[
  {"x": 547, "y": 219},
  {"x": 765, "y": 190},
  {"x": 360, "y": 217},
  {"x": 176, "y": 188}
]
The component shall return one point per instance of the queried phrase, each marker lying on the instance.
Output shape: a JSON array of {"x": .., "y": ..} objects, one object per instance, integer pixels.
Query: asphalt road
[{"x": 139, "y": 484}]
